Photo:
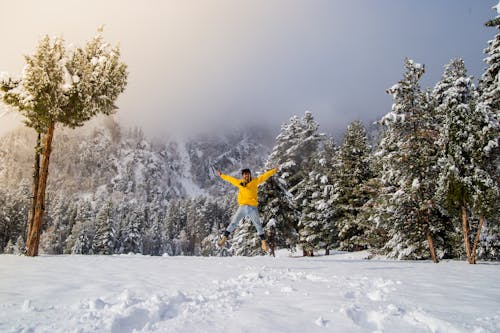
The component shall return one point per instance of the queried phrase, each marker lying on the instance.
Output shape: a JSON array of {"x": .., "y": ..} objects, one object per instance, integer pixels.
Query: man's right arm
[{"x": 229, "y": 179}]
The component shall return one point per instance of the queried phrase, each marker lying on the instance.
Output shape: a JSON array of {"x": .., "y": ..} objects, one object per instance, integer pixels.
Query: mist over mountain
[{"x": 107, "y": 159}]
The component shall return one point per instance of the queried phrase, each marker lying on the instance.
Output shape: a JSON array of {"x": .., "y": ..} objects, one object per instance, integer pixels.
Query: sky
[{"x": 220, "y": 64}]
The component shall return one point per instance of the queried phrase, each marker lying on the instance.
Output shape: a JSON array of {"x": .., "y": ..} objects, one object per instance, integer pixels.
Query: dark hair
[{"x": 245, "y": 171}]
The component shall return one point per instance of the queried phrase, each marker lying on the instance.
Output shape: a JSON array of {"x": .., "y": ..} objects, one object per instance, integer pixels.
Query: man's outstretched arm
[
  {"x": 262, "y": 178},
  {"x": 229, "y": 179}
]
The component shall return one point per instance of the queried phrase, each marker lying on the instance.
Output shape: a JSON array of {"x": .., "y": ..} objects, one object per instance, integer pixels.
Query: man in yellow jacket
[{"x": 247, "y": 199}]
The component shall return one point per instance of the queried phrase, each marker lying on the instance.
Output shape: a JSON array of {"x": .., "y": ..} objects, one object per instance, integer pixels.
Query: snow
[
  {"x": 489, "y": 147},
  {"x": 4, "y": 113},
  {"x": 4, "y": 76},
  {"x": 192, "y": 189},
  {"x": 271, "y": 223},
  {"x": 342, "y": 292},
  {"x": 415, "y": 184}
]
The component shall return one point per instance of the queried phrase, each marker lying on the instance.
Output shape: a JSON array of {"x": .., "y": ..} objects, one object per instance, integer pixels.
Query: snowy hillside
[{"x": 338, "y": 293}]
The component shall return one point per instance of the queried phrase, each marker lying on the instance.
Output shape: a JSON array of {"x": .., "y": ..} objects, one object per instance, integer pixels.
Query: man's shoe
[
  {"x": 264, "y": 245},
  {"x": 222, "y": 241}
]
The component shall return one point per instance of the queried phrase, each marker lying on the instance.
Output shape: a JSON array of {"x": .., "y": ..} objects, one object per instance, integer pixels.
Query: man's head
[{"x": 246, "y": 175}]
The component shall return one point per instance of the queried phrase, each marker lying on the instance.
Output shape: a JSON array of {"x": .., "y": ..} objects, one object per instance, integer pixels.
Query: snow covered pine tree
[
  {"x": 406, "y": 205},
  {"x": 63, "y": 87}
]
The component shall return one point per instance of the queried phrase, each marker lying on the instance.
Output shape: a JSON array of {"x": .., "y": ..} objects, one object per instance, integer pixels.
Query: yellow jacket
[{"x": 247, "y": 195}]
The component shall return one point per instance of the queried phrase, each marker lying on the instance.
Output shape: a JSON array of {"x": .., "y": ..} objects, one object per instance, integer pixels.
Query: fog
[{"x": 211, "y": 65}]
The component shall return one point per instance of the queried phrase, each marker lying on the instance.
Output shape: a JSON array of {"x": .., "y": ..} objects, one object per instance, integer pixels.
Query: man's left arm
[{"x": 262, "y": 178}]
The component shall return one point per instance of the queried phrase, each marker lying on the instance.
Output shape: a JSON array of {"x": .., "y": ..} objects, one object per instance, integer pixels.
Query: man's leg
[
  {"x": 253, "y": 214},
  {"x": 240, "y": 214},
  {"x": 237, "y": 217}
]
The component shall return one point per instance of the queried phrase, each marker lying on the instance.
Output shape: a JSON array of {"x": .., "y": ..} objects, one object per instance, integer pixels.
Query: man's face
[{"x": 247, "y": 176}]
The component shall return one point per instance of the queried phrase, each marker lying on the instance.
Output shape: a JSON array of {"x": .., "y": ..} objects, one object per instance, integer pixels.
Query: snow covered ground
[{"x": 337, "y": 293}]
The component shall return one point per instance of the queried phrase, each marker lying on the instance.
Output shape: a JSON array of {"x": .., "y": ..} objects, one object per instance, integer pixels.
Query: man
[{"x": 247, "y": 200}]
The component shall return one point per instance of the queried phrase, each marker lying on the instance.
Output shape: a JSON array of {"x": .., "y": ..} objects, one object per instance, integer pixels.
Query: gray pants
[{"x": 246, "y": 211}]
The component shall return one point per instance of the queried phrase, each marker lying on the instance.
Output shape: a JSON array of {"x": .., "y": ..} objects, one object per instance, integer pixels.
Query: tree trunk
[
  {"x": 428, "y": 235},
  {"x": 431, "y": 245},
  {"x": 33, "y": 240},
  {"x": 465, "y": 228},
  {"x": 34, "y": 189},
  {"x": 476, "y": 240},
  {"x": 272, "y": 243},
  {"x": 306, "y": 252}
]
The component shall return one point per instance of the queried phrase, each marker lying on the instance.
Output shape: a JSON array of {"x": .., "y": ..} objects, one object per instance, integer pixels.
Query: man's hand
[{"x": 219, "y": 173}]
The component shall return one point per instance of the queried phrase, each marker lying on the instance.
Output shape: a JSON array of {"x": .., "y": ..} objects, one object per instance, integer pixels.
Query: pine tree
[
  {"x": 104, "y": 237},
  {"x": 295, "y": 145},
  {"x": 313, "y": 203},
  {"x": 198, "y": 225},
  {"x": 132, "y": 238},
  {"x": 175, "y": 221},
  {"x": 49, "y": 241},
  {"x": 447, "y": 234},
  {"x": 61, "y": 87},
  {"x": 221, "y": 212},
  {"x": 468, "y": 180},
  {"x": 71, "y": 213},
  {"x": 13, "y": 212},
  {"x": 245, "y": 241},
  {"x": 369, "y": 215},
  {"x": 315, "y": 199},
  {"x": 153, "y": 237},
  {"x": 20, "y": 246},
  {"x": 324, "y": 203},
  {"x": 353, "y": 171},
  {"x": 209, "y": 215},
  {"x": 83, "y": 232},
  {"x": 489, "y": 104},
  {"x": 83, "y": 242},
  {"x": 60, "y": 216},
  {"x": 9, "y": 248},
  {"x": 405, "y": 207},
  {"x": 466, "y": 186}
]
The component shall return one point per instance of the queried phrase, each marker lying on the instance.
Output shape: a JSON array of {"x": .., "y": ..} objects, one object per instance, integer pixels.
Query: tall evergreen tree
[
  {"x": 61, "y": 87},
  {"x": 405, "y": 206},
  {"x": 295, "y": 146},
  {"x": 153, "y": 237},
  {"x": 314, "y": 199},
  {"x": 245, "y": 241},
  {"x": 175, "y": 222},
  {"x": 324, "y": 203},
  {"x": 132, "y": 235},
  {"x": 454, "y": 72},
  {"x": 489, "y": 104},
  {"x": 104, "y": 237},
  {"x": 353, "y": 170},
  {"x": 274, "y": 194},
  {"x": 83, "y": 232},
  {"x": 61, "y": 217},
  {"x": 468, "y": 181}
]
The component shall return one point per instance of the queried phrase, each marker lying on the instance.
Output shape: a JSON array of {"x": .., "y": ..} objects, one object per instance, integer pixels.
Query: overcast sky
[{"x": 193, "y": 64}]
